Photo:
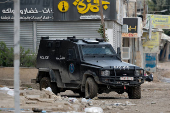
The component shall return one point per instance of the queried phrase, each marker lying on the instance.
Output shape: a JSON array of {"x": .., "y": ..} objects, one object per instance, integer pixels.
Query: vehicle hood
[{"x": 110, "y": 64}]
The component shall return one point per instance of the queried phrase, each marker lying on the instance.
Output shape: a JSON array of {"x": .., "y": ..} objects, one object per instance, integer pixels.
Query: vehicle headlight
[
  {"x": 105, "y": 73},
  {"x": 138, "y": 72}
]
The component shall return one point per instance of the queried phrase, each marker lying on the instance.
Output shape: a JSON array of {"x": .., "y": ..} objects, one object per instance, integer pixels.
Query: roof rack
[
  {"x": 44, "y": 37},
  {"x": 91, "y": 41},
  {"x": 100, "y": 39},
  {"x": 73, "y": 39}
]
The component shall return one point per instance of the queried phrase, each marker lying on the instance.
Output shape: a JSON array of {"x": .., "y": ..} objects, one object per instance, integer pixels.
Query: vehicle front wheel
[
  {"x": 91, "y": 88},
  {"x": 45, "y": 83},
  {"x": 134, "y": 92}
]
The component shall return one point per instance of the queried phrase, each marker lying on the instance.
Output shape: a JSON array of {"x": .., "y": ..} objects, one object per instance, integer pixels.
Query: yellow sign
[
  {"x": 63, "y": 6},
  {"x": 84, "y": 8},
  {"x": 153, "y": 43},
  {"x": 159, "y": 21},
  {"x": 133, "y": 35},
  {"x": 130, "y": 28}
]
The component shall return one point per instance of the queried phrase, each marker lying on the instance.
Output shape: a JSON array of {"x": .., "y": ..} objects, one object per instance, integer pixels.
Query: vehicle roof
[{"x": 79, "y": 41}]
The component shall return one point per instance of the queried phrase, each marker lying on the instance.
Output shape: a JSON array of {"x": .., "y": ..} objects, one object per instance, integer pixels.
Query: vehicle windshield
[{"x": 97, "y": 50}]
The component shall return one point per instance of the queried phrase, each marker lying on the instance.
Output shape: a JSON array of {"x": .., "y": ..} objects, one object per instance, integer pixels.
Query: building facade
[{"x": 60, "y": 19}]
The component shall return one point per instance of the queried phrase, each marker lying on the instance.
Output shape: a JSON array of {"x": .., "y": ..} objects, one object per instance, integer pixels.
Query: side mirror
[{"x": 119, "y": 52}]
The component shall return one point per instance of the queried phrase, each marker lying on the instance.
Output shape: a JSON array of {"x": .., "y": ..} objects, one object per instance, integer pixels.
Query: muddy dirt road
[{"x": 155, "y": 99}]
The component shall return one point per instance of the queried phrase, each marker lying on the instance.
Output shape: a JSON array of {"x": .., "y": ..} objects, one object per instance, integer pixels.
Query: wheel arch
[
  {"x": 42, "y": 74},
  {"x": 90, "y": 73},
  {"x": 46, "y": 73}
]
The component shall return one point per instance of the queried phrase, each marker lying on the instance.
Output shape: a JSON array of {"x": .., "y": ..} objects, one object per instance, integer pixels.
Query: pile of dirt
[
  {"x": 166, "y": 74},
  {"x": 36, "y": 99}
]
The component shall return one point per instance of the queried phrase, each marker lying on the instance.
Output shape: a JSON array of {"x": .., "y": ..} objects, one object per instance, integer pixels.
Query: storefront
[
  {"x": 151, "y": 49},
  {"x": 132, "y": 45},
  {"x": 58, "y": 19}
]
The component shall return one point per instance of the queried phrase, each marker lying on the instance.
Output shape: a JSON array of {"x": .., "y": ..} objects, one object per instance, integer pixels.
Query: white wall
[{"x": 109, "y": 33}]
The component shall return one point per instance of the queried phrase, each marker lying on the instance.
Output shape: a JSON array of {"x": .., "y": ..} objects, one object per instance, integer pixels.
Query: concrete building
[{"x": 60, "y": 19}]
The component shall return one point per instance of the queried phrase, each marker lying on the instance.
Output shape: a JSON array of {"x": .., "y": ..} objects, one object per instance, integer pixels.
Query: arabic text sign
[
  {"x": 130, "y": 35},
  {"x": 83, "y": 8},
  {"x": 150, "y": 62},
  {"x": 73, "y": 10},
  {"x": 26, "y": 12},
  {"x": 58, "y": 10},
  {"x": 160, "y": 21},
  {"x": 39, "y": 10},
  {"x": 154, "y": 42}
]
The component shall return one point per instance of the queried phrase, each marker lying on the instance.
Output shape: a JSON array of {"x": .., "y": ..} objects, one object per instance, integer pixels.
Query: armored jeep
[{"x": 87, "y": 67}]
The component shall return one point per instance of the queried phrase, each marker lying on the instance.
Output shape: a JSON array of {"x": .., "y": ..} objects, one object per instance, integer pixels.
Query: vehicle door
[{"x": 73, "y": 64}]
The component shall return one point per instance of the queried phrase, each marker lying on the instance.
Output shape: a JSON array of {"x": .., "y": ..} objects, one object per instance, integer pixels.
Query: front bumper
[{"x": 115, "y": 81}]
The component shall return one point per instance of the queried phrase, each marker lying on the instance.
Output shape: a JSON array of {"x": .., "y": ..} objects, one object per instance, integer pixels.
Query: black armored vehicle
[{"x": 87, "y": 67}]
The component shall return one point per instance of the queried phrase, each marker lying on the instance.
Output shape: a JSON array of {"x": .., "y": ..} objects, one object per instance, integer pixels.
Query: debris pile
[
  {"x": 62, "y": 103},
  {"x": 57, "y": 103},
  {"x": 9, "y": 91}
]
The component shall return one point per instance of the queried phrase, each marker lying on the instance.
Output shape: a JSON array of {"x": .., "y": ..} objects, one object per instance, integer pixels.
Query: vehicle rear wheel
[
  {"x": 45, "y": 83},
  {"x": 54, "y": 88},
  {"x": 91, "y": 88},
  {"x": 82, "y": 94},
  {"x": 120, "y": 92},
  {"x": 134, "y": 92}
]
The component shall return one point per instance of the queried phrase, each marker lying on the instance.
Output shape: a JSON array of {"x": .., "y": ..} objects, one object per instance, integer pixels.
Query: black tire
[
  {"x": 134, "y": 92},
  {"x": 82, "y": 94},
  {"x": 45, "y": 83},
  {"x": 91, "y": 88},
  {"x": 120, "y": 92},
  {"x": 54, "y": 88}
]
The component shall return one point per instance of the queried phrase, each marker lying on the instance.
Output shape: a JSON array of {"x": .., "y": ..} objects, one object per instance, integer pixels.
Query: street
[
  {"x": 69, "y": 56},
  {"x": 155, "y": 98}
]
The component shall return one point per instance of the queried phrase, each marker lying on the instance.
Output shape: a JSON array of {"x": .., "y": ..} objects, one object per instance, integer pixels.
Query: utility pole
[
  {"x": 167, "y": 52},
  {"x": 144, "y": 12},
  {"x": 17, "y": 55},
  {"x": 127, "y": 8},
  {"x": 136, "y": 8},
  {"x": 102, "y": 19}
]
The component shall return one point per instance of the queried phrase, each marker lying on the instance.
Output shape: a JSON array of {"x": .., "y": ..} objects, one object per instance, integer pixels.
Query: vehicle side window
[
  {"x": 71, "y": 54},
  {"x": 57, "y": 44},
  {"x": 49, "y": 44}
]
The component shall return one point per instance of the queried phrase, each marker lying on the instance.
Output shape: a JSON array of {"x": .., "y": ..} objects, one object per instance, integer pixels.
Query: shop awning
[{"x": 165, "y": 37}]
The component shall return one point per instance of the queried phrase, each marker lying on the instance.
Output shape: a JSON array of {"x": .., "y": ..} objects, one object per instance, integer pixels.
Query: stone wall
[{"x": 26, "y": 74}]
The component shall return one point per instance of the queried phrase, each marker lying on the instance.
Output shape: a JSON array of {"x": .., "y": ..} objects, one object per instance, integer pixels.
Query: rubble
[
  {"x": 36, "y": 110},
  {"x": 90, "y": 103},
  {"x": 32, "y": 97},
  {"x": 130, "y": 104},
  {"x": 72, "y": 100},
  {"x": 9, "y": 91},
  {"x": 65, "y": 104},
  {"x": 117, "y": 104},
  {"x": 31, "y": 102},
  {"x": 84, "y": 101},
  {"x": 93, "y": 110},
  {"x": 153, "y": 102},
  {"x": 95, "y": 98},
  {"x": 122, "y": 108},
  {"x": 109, "y": 107}
]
